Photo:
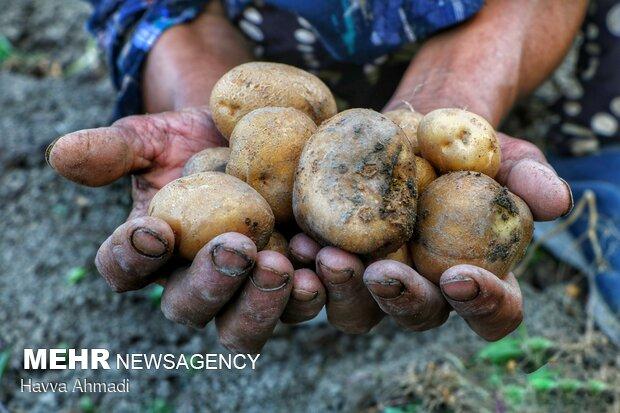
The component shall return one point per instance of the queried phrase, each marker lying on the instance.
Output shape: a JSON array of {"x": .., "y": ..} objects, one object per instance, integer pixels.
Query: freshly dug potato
[
  {"x": 259, "y": 84},
  {"x": 408, "y": 120},
  {"x": 355, "y": 186},
  {"x": 424, "y": 172},
  {"x": 458, "y": 140},
  {"x": 265, "y": 149},
  {"x": 201, "y": 206},
  {"x": 277, "y": 243},
  {"x": 468, "y": 218},
  {"x": 401, "y": 255},
  {"x": 210, "y": 159}
]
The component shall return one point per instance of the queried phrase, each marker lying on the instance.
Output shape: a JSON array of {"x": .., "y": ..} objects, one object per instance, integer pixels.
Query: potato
[
  {"x": 355, "y": 186},
  {"x": 424, "y": 172},
  {"x": 277, "y": 243},
  {"x": 401, "y": 255},
  {"x": 408, "y": 120},
  {"x": 201, "y": 206},
  {"x": 265, "y": 149},
  {"x": 468, "y": 218},
  {"x": 259, "y": 84},
  {"x": 210, "y": 159},
  {"x": 458, "y": 140}
]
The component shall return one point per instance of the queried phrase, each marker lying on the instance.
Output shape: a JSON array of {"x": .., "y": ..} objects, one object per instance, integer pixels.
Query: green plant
[
  {"x": 154, "y": 294},
  {"x": 87, "y": 61},
  {"x": 76, "y": 275},
  {"x": 5, "y": 357},
  {"x": 406, "y": 408},
  {"x": 87, "y": 405},
  {"x": 6, "y": 48},
  {"x": 510, "y": 359},
  {"x": 65, "y": 354},
  {"x": 514, "y": 394},
  {"x": 159, "y": 406},
  {"x": 532, "y": 349}
]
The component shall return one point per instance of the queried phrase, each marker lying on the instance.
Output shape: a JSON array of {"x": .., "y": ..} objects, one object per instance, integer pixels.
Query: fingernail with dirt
[
  {"x": 48, "y": 152},
  {"x": 231, "y": 262},
  {"x": 388, "y": 289},
  {"x": 460, "y": 288},
  {"x": 268, "y": 279},
  {"x": 148, "y": 243},
  {"x": 336, "y": 276},
  {"x": 304, "y": 295},
  {"x": 302, "y": 259},
  {"x": 570, "y": 194}
]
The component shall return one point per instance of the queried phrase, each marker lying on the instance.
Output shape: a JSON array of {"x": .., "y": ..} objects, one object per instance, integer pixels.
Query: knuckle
[
  {"x": 493, "y": 336},
  {"x": 234, "y": 344},
  {"x": 354, "y": 328},
  {"x": 516, "y": 320},
  {"x": 423, "y": 325},
  {"x": 503, "y": 327},
  {"x": 103, "y": 265},
  {"x": 114, "y": 286},
  {"x": 174, "y": 313}
]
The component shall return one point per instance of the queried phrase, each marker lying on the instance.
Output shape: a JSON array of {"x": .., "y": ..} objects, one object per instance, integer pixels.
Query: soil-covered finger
[
  {"x": 134, "y": 251},
  {"x": 194, "y": 296}
]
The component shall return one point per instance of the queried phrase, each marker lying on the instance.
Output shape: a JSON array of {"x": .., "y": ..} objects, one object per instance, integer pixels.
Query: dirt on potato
[
  {"x": 51, "y": 229},
  {"x": 355, "y": 184}
]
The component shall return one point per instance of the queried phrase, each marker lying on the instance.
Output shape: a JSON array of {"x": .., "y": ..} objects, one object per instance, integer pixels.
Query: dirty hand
[
  {"x": 358, "y": 297},
  {"x": 244, "y": 290}
]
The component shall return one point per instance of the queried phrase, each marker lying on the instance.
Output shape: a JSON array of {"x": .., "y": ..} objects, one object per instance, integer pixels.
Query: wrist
[
  {"x": 444, "y": 89},
  {"x": 187, "y": 60}
]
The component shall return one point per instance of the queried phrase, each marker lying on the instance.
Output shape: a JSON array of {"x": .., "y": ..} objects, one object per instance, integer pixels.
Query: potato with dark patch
[
  {"x": 425, "y": 173},
  {"x": 260, "y": 84},
  {"x": 468, "y": 218},
  {"x": 408, "y": 120},
  {"x": 457, "y": 140},
  {"x": 277, "y": 242},
  {"x": 265, "y": 149},
  {"x": 201, "y": 206},
  {"x": 355, "y": 186},
  {"x": 210, "y": 159}
]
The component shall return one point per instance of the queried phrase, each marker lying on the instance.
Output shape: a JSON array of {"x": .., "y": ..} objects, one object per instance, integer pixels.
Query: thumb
[
  {"x": 526, "y": 173},
  {"x": 97, "y": 157}
]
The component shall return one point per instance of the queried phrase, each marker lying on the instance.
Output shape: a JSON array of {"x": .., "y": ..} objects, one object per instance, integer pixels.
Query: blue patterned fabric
[
  {"x": 351, "y": 31},
  {"x": 126, "y": 30},
  {"x": 599, "y": 175}
]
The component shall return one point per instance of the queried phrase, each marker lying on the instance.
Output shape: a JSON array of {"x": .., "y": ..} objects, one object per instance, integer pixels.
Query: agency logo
[{"x": 101, "y": 359}]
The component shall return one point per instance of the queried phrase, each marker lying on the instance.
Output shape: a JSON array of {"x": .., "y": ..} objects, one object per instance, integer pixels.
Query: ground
[{"x": 51, "y": 296}]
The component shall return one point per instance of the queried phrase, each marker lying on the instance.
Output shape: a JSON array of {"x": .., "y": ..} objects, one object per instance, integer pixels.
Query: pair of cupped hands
[{"x": 247, "y": 291}]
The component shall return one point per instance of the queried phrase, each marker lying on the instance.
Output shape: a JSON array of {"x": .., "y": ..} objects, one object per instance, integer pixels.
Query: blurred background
[{"x": 53, "y": 81}]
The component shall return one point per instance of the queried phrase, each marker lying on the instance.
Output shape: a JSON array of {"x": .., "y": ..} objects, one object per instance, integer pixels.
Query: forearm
[
  {"x": 486, "y": 64},
  {"x": 188, "y": 59}
]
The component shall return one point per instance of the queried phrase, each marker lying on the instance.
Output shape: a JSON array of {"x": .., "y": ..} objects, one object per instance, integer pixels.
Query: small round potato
[
  {"x": 277, "y": 242},
  {"x": 408, "y": 120},
  {"x": 458, "y": 140},
  {"x": 259, "y": 84},
  {"x": 355, "y": 186},
  {"x": 468, "y": 218},
  {"x": 201, "y": 206},
  {"x": 424, "y": 173},
  {"x": 401, "y": 255},
  {"x": 210, "y": 159},
  {"x": 265, "y": 149}
]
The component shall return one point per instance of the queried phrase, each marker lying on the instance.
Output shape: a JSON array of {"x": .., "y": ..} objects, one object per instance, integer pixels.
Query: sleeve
[{"x": 126, "y": 30}]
